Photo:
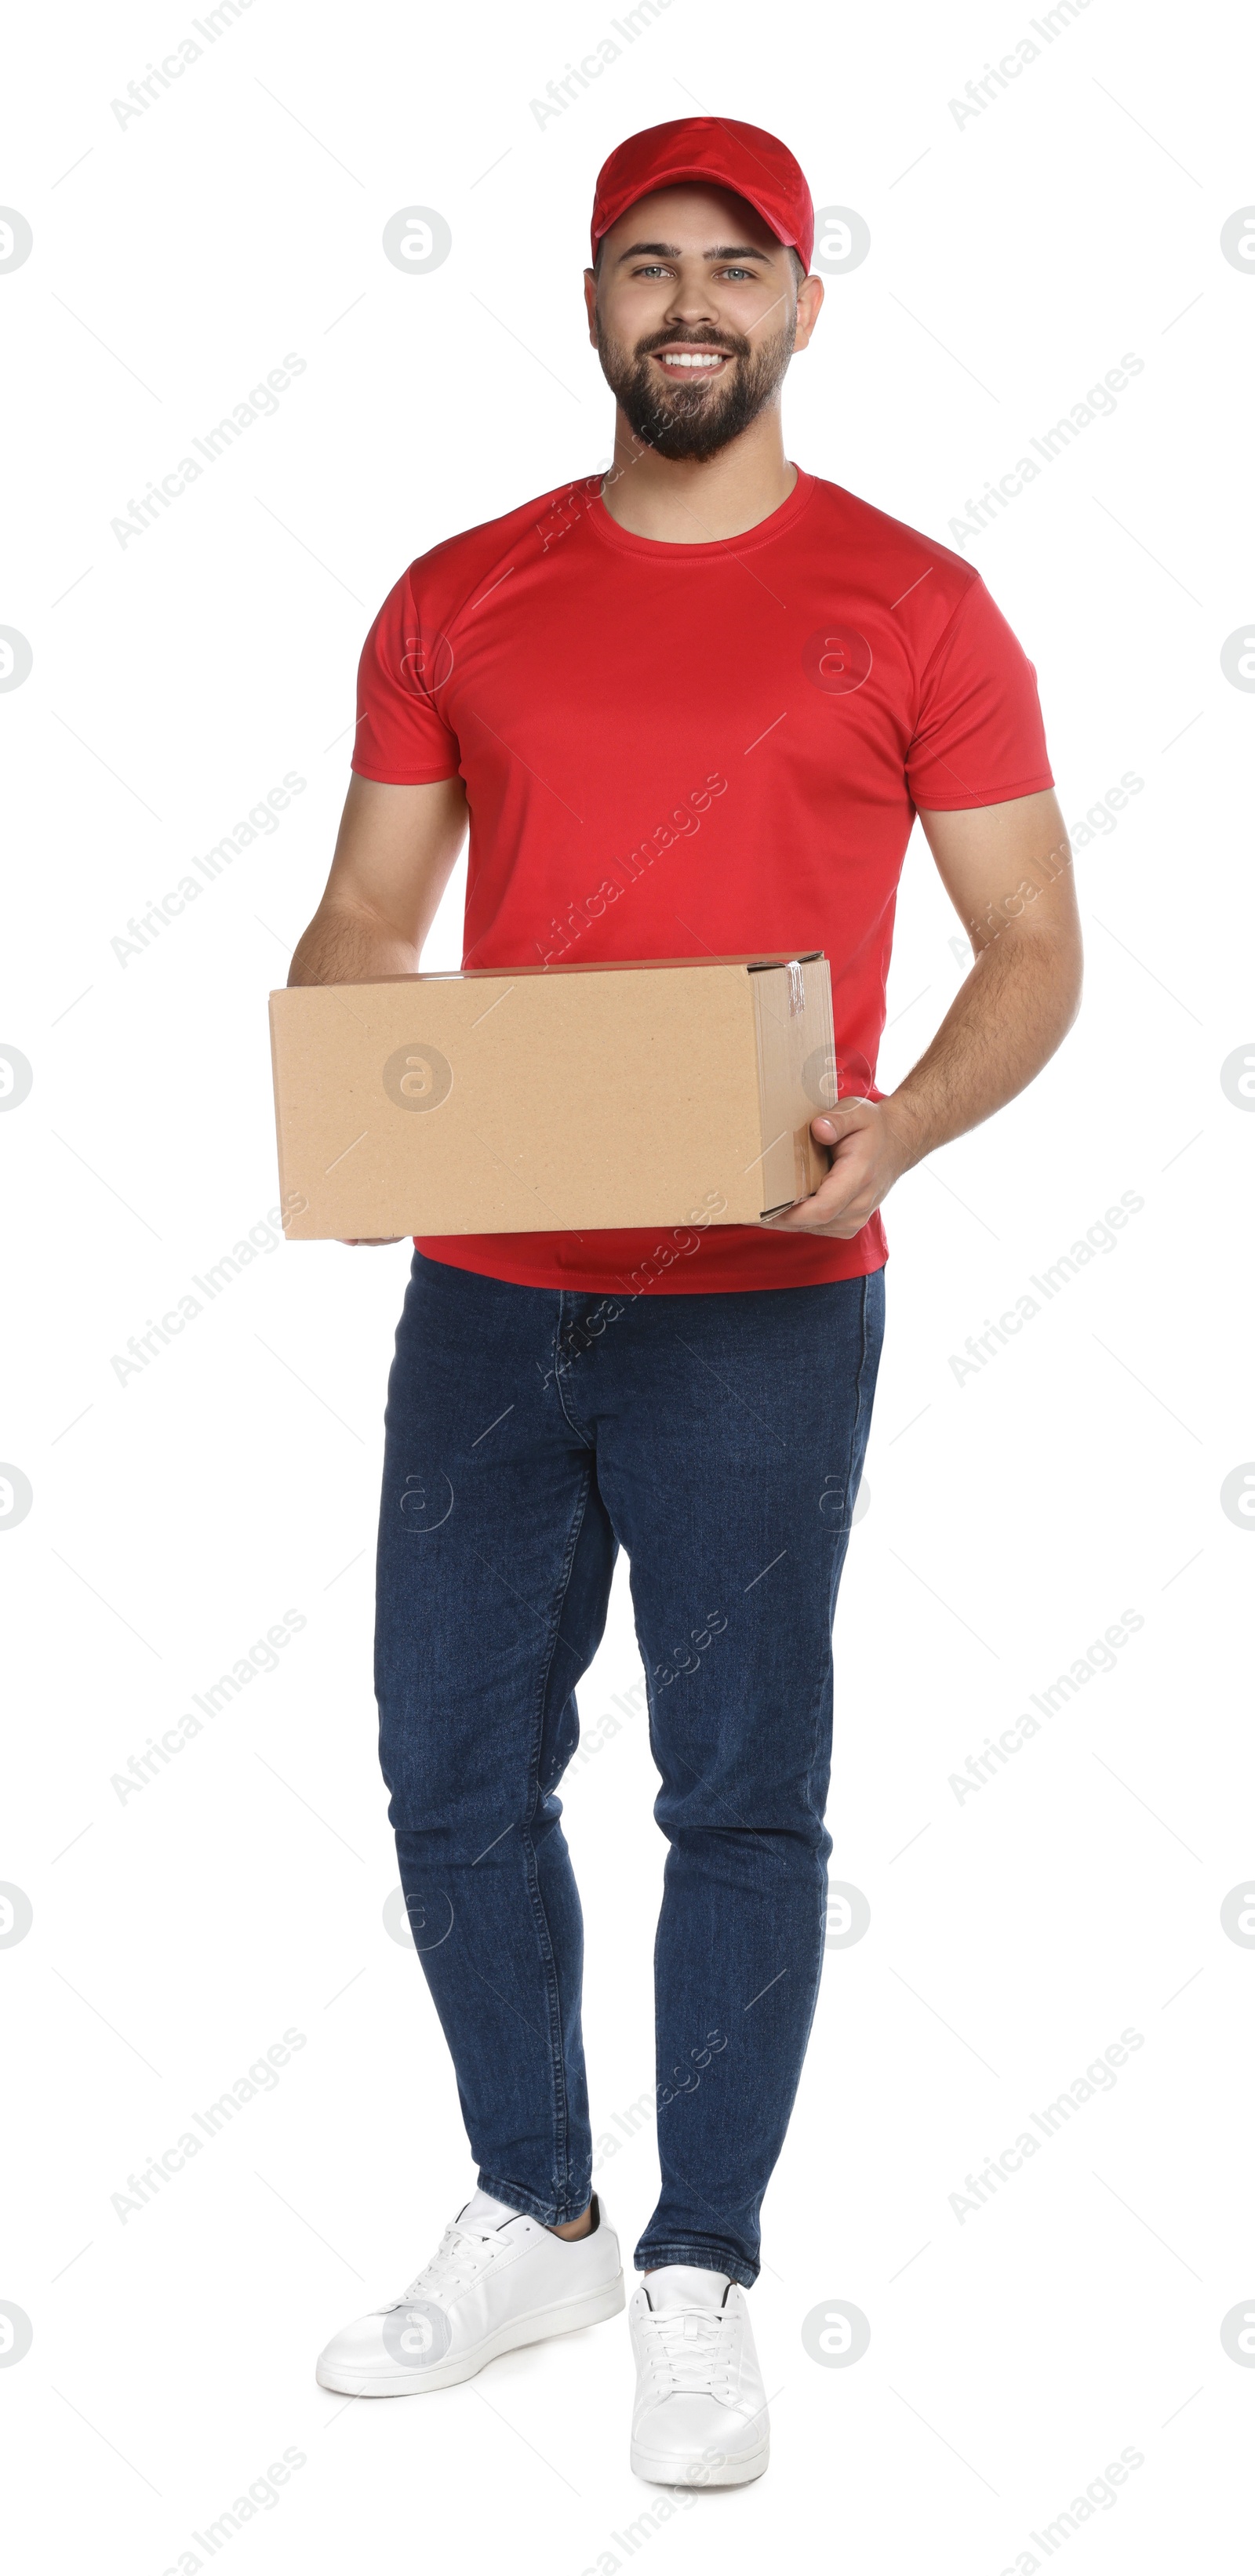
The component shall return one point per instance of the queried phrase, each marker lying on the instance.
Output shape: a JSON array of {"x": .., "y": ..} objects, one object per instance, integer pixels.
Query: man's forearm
[
  {"x": 1003, "y": 1025},
  {"x": 346, "y": 944}
]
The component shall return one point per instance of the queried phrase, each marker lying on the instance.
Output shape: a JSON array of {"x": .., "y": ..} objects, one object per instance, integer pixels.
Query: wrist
[{"x": 909, "y": 1127}]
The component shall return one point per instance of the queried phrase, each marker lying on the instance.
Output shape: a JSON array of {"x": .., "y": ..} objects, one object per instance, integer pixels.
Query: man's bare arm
[
  {"x": 1008, "y": 872},
  {"x": 393, "y": 859}
]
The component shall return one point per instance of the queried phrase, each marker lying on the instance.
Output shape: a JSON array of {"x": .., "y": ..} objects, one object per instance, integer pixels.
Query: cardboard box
[{"x": 559, "y": 1098}]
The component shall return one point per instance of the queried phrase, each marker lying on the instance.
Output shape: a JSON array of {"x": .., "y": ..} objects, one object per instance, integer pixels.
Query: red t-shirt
[{"x": 695, "y": 750}]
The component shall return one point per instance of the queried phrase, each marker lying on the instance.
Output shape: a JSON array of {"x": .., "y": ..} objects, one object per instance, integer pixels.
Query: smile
[{"x": 696, "y": 362}]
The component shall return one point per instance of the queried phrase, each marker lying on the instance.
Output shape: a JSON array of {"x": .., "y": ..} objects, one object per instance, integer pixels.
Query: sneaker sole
[
  {"x": 663, "y": 2472},
  {"x": 536, "y": 2328}
]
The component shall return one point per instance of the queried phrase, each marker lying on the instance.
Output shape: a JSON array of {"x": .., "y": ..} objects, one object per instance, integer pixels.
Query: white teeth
[{"x": 683, "y": 358}]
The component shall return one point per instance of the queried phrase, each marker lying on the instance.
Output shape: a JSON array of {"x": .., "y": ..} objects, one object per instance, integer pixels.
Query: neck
[{"x": 693, "y": 503}]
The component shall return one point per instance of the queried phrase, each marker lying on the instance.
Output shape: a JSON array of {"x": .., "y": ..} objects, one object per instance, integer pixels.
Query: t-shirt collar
[{"x": 778, "y": 523}]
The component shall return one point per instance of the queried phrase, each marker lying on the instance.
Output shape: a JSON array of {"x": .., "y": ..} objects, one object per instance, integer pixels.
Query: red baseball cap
[{"x": 754, "y": 165}]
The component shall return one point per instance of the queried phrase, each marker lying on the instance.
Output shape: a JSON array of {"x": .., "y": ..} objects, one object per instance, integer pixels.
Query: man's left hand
[{"x": 870, "y": 1150}]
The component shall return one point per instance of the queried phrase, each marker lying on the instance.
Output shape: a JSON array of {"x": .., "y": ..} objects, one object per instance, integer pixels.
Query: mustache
[{"x": 728, "y": 343}]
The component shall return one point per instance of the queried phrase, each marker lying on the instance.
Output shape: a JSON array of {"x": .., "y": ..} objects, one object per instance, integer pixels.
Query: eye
[
  {"x": 749, "y": 273},
  {"x": 655, "y": 269}
]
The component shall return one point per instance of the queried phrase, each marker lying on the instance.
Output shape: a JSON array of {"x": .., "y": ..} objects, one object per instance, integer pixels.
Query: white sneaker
[
  {"x": 495, "y": 2281},
  {"x": 701, "y": 2408}
]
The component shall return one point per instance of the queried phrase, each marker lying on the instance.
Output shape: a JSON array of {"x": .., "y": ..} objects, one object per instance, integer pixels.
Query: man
[{"x": 691, "y": 710}]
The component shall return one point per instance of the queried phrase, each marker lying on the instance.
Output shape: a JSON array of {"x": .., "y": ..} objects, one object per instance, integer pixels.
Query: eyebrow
[{"x": 722, "y": 250}]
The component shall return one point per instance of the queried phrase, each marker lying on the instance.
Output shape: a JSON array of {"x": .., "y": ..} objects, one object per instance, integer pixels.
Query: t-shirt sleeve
[
  {"x": 401, "y": 736},
  {"x": 979, "y": 737}
]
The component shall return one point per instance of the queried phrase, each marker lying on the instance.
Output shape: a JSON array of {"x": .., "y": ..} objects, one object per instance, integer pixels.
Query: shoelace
[
  {"x": 460, "y": 2255},
  {"x": 689, "y": 2348}
]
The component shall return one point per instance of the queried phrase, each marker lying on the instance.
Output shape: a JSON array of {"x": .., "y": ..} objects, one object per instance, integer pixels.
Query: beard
[{"x": 690, "y": 423}]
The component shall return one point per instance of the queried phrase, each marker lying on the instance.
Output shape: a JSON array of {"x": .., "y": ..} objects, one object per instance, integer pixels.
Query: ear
[
  {"x": 590, "y": 304},
  {"x": 810, "y": 296}
]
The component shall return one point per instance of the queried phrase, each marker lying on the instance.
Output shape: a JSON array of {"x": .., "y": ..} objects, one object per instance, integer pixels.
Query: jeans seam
[
  {"x": 849, "y": 1470},
  {"x": 854, "y": 1431},
  {"x": 557, "y": 1371},
  {"x": 561, "y": 2138},
  {"x": 858, "y": 1383}
]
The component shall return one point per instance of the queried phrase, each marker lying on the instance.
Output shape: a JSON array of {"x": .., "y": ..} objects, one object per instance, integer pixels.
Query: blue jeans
[{"x": 719, "y": 1439}]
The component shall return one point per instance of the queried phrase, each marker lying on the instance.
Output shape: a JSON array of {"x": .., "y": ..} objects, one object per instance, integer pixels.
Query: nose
[{"x": 691, "y": 304}]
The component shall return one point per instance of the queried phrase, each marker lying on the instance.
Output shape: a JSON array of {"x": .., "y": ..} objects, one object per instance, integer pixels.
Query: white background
[{"x": 1014, "y": 1514}]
